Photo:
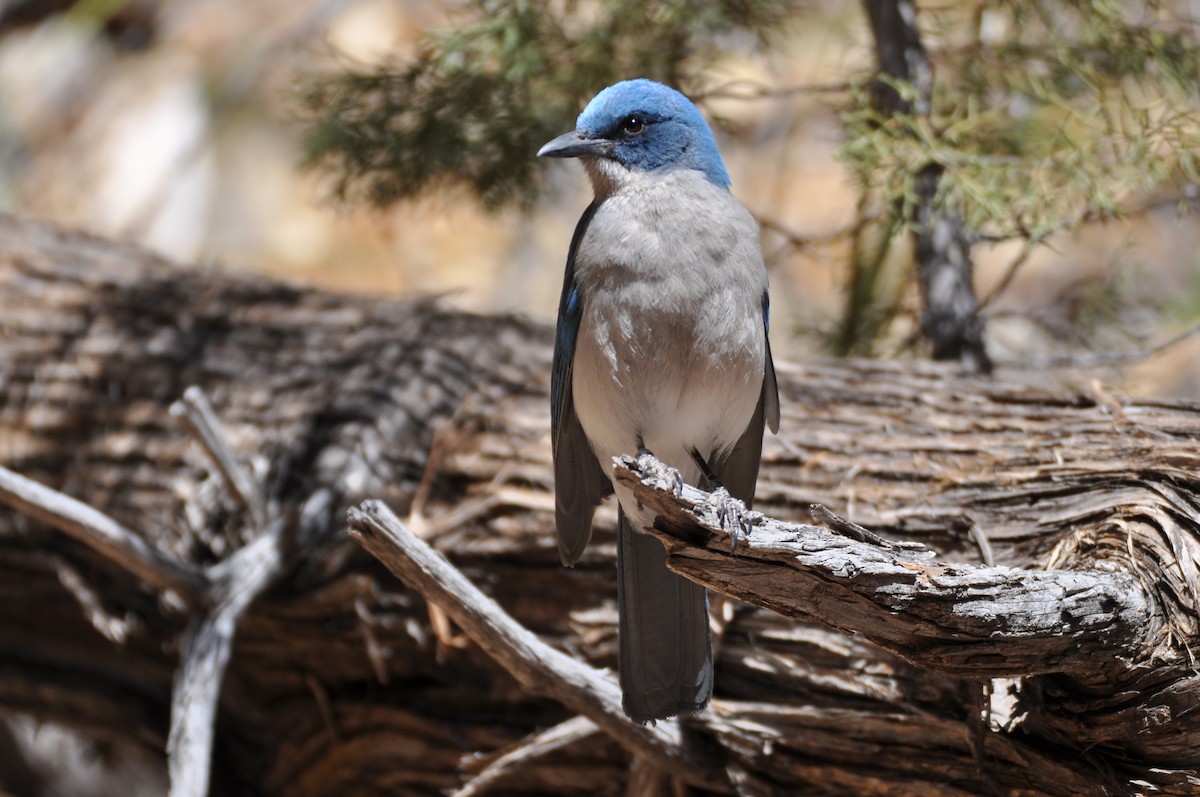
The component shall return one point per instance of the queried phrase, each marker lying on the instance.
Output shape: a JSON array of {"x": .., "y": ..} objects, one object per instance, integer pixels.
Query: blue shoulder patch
[{"x": 566, "y": 332}]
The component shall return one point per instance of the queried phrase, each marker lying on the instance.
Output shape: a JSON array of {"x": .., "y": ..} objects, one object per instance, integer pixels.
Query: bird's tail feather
[{"x": 665, "y": 644}]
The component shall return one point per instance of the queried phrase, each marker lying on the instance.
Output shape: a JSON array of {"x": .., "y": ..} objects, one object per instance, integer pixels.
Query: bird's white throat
[{"x": 607, "y": 175}]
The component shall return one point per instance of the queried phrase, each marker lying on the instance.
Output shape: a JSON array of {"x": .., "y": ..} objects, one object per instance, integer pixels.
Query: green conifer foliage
[
  {"x": 474, "y": 106},
  {"x": 1045, "y": 115}
]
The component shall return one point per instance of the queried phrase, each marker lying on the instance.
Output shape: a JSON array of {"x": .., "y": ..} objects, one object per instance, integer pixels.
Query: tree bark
[{"x": 1060, "y": 534}]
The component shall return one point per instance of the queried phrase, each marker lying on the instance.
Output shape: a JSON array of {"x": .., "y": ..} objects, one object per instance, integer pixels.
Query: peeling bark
[{"x": 968, "y": 620}]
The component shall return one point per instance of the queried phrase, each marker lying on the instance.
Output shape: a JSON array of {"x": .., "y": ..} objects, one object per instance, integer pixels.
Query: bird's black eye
[{"x": 633, "y": 125}]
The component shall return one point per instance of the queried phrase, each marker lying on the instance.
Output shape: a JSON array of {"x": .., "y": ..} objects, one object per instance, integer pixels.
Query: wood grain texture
[
  {"x": 342, "y": 681},
  {"x": 973, "y": 621}
]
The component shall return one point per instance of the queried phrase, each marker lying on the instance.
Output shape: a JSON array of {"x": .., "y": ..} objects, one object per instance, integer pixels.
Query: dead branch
[
  {"x": 101, "y": 533},
  {"x": 218, "y": 595},
  {"x": 528, "y": 750},
  {"x": 539, "y": 667},
  {"x": 967, "y": 620},
  {"x": 197, "y": 414}
]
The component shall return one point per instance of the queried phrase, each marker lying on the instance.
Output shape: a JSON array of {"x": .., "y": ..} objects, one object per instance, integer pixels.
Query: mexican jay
[{"x": 661, "y": 346}]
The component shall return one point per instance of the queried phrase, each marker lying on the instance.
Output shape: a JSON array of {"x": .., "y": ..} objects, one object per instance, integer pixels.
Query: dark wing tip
[{"x": 771, "y": 393}]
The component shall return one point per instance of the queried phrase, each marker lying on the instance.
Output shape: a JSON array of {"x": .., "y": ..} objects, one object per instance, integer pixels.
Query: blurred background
[
  {"x": 184, "y": 126},
  {"x": 230, "y": 134},
  {"x": 178, "y": 125}
]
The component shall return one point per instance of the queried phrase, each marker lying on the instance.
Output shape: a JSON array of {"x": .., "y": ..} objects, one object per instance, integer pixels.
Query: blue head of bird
[{"x": 636, "y": 128}]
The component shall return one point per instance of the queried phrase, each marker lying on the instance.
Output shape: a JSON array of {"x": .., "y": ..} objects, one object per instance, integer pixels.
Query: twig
[
  {"x": 985, "y": 545},
  {"x": 528, "y": 751},
  {"x": 798, "y": 241},
  {"x": 973, "y": 621},
  {"x": 203, "y": 657},
  {"x": 433, "y": 461},
  {"x": 752, "y": 90},
  {"x": 321, "y": 696},
  {"x": 838, "y": 523},
  {"x": 1027, "y": 250},
  {"x": 114, "y": 629},
  {"x": 1094, "y": 215},
  {"x": 102, "y": 534},
  {"x": 220, "y": 596},
  {"x": 443, "y": 630},
  {"x": 536, "y": 665},
  {"x": 1104, "y": 358},
  {"x": 198, "y": 416},
  {"x": 375, "y": 654},
  {"x": 232, "y": 585},
  {"x": 207, "y": 644}
]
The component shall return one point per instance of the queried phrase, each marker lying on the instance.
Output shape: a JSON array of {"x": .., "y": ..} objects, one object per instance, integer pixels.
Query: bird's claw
[
  {"x": 652, "y": 466},
  {"x": 732, "y": 514}
]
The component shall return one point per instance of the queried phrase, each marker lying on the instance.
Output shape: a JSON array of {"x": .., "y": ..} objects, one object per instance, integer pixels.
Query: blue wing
[{"x": 579, "y": 482}]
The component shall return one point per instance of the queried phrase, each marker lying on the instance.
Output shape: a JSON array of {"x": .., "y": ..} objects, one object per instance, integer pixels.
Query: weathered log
[
  {"x": 341, "y": 681},
  {"x": 974, "y": 621}
]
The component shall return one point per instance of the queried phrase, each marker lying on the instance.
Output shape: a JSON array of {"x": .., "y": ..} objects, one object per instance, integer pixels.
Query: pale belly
[
  {"x": 671, "y": 348},
  {"x": 672, "y": 384}
]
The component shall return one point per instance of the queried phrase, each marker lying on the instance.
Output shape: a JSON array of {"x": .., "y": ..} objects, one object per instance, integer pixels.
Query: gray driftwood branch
[
  {"x": 108, "y": 538},
  {"x": 541, "y": 668},
  {"x": 527, "y": 752},
  {"x": 217, "y": 596},
  {"x": 968, "y": 620}
]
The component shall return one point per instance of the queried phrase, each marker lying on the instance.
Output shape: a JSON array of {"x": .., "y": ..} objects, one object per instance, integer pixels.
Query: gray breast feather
[{"x": 672, "y": 346}]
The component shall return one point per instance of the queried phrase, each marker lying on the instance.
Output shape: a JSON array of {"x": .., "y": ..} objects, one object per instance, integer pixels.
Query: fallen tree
[{"x": 182, "y": 579}]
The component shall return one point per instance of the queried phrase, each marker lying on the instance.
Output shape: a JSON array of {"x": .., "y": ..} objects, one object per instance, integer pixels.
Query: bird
[{"x": 661, "y": 346}]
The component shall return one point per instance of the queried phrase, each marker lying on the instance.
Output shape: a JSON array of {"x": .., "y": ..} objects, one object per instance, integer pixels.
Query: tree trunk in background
[
  {"x": 950, "y": 318},
  {"x": 342, "y": 682}
]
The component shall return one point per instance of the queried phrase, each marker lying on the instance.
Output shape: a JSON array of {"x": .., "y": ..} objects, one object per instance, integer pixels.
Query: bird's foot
[
  {"x": 732, "y": 514},
  {"x": 652, "y": 466}
]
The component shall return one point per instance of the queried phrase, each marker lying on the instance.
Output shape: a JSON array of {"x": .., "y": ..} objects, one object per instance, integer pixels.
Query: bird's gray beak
[{"x": 574, "y": 145}]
